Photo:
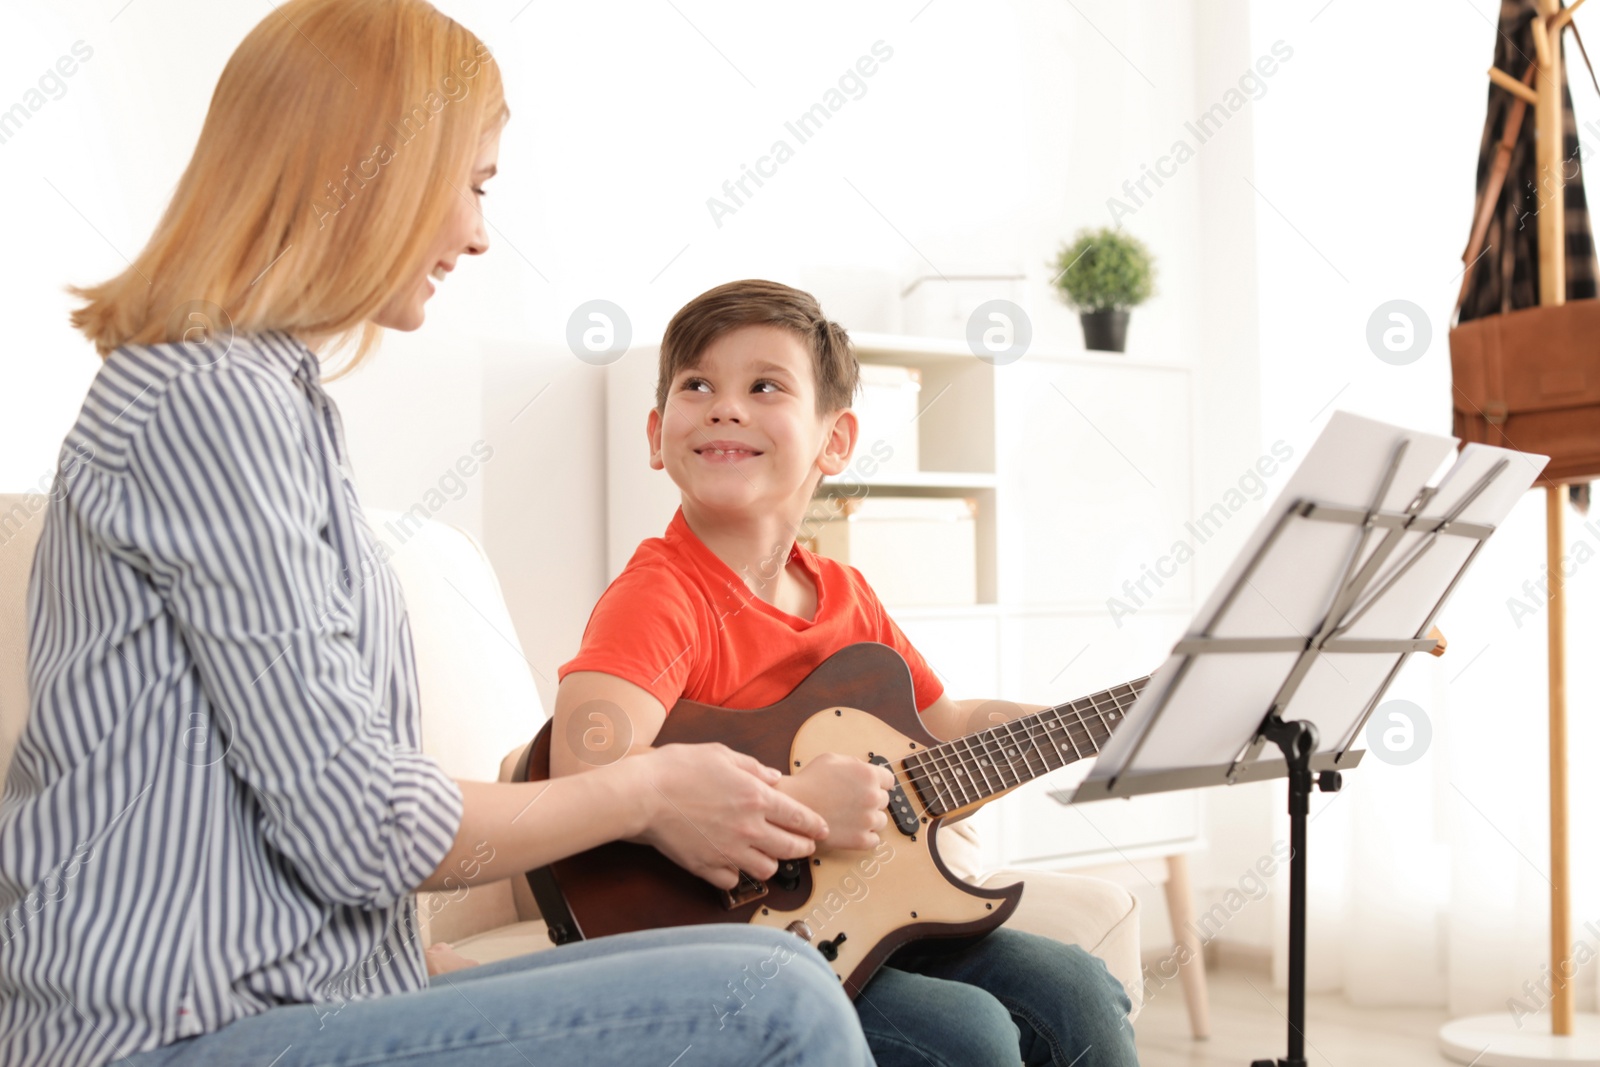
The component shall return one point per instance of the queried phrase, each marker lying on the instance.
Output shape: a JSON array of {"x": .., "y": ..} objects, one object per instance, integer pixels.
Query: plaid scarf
[{"x": 1511, "y": 246}]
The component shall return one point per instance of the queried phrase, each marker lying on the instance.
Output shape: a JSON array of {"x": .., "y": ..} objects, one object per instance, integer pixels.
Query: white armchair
[{"x": 481, "y": 708}]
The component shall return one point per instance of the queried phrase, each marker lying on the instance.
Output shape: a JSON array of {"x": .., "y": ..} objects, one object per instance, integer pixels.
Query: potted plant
[{"x": 1102, "y": 274}]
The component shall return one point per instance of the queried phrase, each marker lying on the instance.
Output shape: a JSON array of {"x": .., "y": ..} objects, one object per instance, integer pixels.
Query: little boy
[{"x": 752, "y": 410}]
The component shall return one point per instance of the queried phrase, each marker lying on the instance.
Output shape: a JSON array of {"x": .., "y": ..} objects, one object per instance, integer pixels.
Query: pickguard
[{"x": 882, "y": 898}]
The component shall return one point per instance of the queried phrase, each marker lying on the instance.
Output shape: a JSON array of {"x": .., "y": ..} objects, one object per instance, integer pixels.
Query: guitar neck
[{"x": 973, "y": 769}]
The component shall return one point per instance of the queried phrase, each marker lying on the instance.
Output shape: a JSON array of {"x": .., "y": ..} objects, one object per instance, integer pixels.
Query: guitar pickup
[
  {"x": 905, "y": 820},
  {"x": 747, "y": 890}
]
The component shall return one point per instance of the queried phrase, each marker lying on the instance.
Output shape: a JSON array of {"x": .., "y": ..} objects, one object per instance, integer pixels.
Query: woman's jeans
[{"x": 693, "y": 996}]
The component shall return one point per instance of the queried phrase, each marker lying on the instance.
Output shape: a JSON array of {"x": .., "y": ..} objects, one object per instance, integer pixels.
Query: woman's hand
[
  {"x": 715, "y": 812},
  {"x": 851, "y": 794},
  {"x": 442, "y": 959}
]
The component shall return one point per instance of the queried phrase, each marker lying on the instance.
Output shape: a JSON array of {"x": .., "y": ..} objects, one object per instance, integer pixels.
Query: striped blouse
[{"x": 219, "y": 803}]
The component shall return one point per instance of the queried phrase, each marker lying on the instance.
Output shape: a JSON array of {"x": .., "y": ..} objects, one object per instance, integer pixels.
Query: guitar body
[{"x": 859, "y": 702}]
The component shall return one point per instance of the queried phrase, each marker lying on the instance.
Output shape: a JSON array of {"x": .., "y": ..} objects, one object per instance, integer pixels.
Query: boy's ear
[
  {"x": 652, "y": 429},
  {"x": 840, "y": 443}
]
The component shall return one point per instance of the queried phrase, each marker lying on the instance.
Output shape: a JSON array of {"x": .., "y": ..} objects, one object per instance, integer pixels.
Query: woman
[{"x": 217, "y": 817}]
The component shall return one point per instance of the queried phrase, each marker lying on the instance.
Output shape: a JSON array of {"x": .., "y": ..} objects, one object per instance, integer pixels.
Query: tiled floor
[{"x": 1247, "y": 1024}]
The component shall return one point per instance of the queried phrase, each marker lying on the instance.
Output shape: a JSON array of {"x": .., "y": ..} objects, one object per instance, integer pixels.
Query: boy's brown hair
[{"x": 754, "y": 302}]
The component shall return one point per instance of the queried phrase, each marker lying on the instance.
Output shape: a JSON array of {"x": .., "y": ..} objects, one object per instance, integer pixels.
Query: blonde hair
[{"x": 338, "y": 134}]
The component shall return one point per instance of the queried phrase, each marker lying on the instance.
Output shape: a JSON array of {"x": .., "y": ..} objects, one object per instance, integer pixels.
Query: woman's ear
[
  {"x": 840, "y": 443},
  {"x": 652, "y": 429}
]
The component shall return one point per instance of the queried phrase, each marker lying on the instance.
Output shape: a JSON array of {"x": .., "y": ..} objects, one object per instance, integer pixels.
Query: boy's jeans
[
  {"x": 1008, "y": 996},
  {"x": 735, "y": 995}
]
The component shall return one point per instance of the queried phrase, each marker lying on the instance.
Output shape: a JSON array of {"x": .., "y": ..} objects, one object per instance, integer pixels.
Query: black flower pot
[{"x": 1105, "y": 330}]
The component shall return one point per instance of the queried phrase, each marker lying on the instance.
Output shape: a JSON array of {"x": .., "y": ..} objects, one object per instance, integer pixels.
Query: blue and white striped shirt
[{"x": 219, "y": 803}]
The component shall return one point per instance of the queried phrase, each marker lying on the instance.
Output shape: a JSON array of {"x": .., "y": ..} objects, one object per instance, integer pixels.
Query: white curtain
[{"x": 1429, "y": 881}]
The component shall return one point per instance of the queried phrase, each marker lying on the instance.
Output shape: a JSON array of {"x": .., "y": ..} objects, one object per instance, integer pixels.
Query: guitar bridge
[{"x": 747, "y": 890}]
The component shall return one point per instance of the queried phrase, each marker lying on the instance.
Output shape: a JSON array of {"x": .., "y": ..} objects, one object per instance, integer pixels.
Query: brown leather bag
[{"x": 1528, "y": 379}]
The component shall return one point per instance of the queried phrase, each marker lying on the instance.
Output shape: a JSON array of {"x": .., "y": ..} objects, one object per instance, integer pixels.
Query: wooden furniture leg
[{"x": 1180, "y": 906}]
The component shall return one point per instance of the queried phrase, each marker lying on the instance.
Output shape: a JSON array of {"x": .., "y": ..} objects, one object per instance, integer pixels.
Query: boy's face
[{"x": 741, "y": 435}]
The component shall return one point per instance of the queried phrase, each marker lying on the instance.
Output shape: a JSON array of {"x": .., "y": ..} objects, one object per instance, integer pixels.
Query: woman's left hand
[{"x": 442, "y": 959}]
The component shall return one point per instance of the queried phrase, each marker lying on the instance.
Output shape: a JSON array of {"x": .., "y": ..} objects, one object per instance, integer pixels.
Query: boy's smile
[{"x": 725, "y": 451}]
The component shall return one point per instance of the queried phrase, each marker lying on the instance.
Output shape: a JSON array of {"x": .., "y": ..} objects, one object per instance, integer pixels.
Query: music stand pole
[{"x": 1298, "y": 741}]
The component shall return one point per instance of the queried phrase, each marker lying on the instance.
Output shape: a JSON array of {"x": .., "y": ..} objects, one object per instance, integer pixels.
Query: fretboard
[{"x": 974, "y": 768}]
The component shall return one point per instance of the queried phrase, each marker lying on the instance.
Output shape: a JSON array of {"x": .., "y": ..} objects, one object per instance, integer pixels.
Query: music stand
[{"x": 1336, "y": 587}]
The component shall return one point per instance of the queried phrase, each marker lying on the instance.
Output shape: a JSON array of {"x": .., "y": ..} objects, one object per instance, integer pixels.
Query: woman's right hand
[{"x": 715, "y": 812}]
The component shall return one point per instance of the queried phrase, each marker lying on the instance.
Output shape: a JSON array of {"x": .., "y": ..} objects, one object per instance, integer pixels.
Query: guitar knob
[
  {"x": 788, "y": 876},
  {"x": 800, "y": 929},
  {"x": 830, "y": 949}
]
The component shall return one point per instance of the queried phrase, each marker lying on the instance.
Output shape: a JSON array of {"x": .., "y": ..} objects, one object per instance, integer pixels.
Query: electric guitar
[{"x": 855, "y": 907}]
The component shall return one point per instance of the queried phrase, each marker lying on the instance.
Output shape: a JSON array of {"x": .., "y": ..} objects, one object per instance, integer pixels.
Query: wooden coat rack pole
[
  {"x": 1553, "y": 290},
  {"x": 1574, "y": 1038}
]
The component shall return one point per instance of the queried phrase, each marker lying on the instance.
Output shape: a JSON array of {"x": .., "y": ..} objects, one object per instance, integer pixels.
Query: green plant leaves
[{"x": 1104, "y": 269}]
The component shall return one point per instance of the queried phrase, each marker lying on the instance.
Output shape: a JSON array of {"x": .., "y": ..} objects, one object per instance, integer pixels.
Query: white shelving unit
[
  {"x": 1082, "y": 465},
  {"x": 1082, "y": 469}
]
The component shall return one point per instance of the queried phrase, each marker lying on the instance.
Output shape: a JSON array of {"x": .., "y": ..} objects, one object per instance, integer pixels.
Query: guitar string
[
  {"x": 954, "y": 776},
  {"x": 992, "y": 736},
  {"x": 993, "y": 740},
  {"x": 1005, "y": 736},
  {"x": 950, "y": 753},
  {"x": 995, "y": 744},
  {"x": 943, "y": 779},
  {"x": 918, "y": 776},
  {"x": 980, "y": 760},
  {"x": 1066, "y": 732},
  {"x": 1078, "y": 708},
  {"x": 948, "y": 750},
  {"x": 992, "y": 745},
  {"x": 1102, "y": 717},
  {"x": 1028, "y": 741},
  {"x": 1055, "y": 750}
]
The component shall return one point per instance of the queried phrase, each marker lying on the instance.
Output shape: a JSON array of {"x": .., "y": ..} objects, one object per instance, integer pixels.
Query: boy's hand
[
  {"x": 851, "y": 794},
  {"x": 714, "y": 812}
]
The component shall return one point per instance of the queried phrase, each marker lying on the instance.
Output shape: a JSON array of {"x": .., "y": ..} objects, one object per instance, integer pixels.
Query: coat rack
[{"x": 1494, "y": 1040}]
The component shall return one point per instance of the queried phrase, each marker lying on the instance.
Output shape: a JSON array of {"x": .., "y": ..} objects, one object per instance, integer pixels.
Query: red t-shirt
[{"x": 680, "y": 623}]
